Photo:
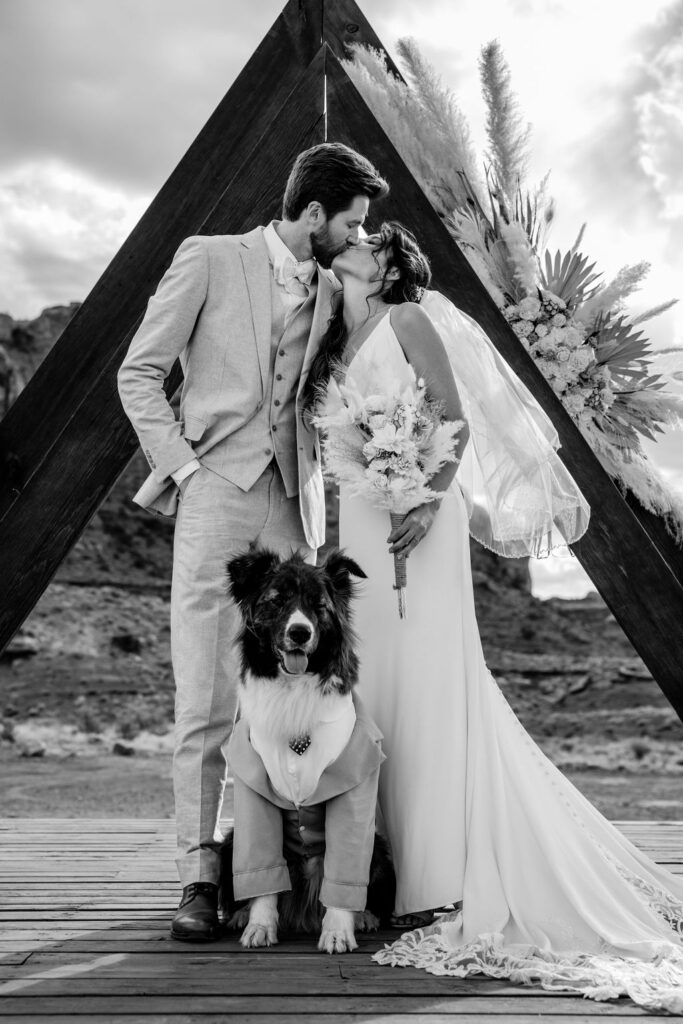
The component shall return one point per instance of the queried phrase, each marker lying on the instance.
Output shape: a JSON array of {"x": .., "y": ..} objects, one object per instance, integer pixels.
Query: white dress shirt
[
  {"x": 294, "y": 279},
  {"x": 296, "y": 776}
]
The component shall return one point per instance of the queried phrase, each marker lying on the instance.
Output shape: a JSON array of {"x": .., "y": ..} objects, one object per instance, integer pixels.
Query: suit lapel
[
  {"x": 321, "y": 315},
  {"x": 246, "y": 764},
  {"x": 256, "y": 264},
  {"x": 360, "y": 757}
]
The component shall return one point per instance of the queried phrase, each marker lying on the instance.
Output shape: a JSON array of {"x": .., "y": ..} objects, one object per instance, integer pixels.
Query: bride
[{"x": 546, "y": 890}]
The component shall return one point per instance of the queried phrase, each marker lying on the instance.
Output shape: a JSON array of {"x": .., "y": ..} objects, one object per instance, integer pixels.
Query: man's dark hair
[{"x": 333, "y": 175}]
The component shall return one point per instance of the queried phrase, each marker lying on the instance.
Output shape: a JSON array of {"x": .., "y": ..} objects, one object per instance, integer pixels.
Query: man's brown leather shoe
[{"x": 196, "y": 919}]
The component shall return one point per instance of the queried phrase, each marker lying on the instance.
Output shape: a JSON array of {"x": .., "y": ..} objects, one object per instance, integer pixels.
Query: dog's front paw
[
  {"x": 337, "y": 931},
  {"x": 255, "y": 935},
  {"x": 261, "y": 929}
]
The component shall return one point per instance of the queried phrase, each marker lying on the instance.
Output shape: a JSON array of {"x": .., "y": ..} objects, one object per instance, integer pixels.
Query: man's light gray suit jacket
[{"x": 212, "y": 310}]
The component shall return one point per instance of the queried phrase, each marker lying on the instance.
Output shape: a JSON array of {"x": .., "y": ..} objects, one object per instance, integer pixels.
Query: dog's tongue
[{"x": 296, "y": 662}]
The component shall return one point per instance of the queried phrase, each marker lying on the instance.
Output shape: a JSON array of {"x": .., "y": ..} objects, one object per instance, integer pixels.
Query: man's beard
[{"x": 323, "y": 249}]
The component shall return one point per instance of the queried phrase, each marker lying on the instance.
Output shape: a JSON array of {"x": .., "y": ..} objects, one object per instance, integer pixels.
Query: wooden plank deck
[{"x": 85, "y": 908}]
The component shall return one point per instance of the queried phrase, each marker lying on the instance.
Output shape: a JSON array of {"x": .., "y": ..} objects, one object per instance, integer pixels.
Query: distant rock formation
[{"x": 23, "y": 346}]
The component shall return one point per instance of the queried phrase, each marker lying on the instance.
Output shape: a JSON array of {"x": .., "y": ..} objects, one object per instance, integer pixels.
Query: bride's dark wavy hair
[{"x": 414, "y": 277}]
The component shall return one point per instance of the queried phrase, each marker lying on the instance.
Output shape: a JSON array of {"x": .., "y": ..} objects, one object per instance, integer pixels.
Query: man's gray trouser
[{"x": 216, "y": 521}]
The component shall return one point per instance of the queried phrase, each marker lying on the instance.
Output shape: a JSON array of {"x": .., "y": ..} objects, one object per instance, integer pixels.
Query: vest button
[
  {"x": 267, "y": 451},
  {"x": 276, "y": 402},
  {"x": 278, "y": 376},
  {"x": 281, "y": 352},
  {"x": 274, "y": 427}
]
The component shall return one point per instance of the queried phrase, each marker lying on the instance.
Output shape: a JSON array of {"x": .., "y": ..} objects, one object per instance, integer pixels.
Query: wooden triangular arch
[{"x": 66, "y": 439}]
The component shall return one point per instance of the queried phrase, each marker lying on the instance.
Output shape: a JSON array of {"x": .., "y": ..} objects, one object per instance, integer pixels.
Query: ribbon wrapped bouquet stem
[{"x": 400, "y": 569}]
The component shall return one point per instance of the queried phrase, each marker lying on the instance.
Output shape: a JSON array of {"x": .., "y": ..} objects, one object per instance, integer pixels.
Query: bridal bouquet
[{"x": 384, "y": 440}]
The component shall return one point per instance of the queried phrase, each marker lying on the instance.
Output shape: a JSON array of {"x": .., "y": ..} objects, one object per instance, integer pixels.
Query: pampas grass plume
[{"x": 507, "y": 134}]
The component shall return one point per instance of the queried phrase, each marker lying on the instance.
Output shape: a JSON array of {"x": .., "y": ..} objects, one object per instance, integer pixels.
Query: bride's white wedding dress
[{"x": 551, "y": 892}]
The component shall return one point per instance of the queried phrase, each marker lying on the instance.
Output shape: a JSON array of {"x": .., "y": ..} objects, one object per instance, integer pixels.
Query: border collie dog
[{"x": 301, "y": 746}]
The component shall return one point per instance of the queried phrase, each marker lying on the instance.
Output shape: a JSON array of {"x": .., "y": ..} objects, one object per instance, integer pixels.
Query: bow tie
[
  {"x": 300, "y": 744},
  {"x": 303, "y": 271}
]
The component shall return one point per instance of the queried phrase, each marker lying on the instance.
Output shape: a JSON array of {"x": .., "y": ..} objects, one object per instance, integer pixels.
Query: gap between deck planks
[{"x": 84, "y": 914}]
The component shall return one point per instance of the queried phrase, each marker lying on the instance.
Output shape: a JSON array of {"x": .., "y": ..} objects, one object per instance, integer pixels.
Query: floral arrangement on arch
[{"x": 594, "y": 355}]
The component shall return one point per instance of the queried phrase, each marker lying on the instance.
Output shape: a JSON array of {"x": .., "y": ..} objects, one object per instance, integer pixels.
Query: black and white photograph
[{"x": 341, "y": 511}]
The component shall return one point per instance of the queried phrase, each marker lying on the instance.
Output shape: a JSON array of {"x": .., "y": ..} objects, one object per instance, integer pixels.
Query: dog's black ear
[
  {"x": 339, "y": 569},
  {"x": 247, "y": 572}
]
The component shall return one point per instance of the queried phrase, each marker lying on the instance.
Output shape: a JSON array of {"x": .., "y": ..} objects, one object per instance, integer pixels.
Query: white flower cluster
[
  {"x": 385, "y": 440},
  {"x": 558, "y": 345},
  {"x": 397, "y": 435}
]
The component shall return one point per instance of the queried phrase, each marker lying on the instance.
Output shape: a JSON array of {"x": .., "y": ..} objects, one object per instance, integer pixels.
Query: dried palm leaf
[{"x": 569, "y": 278}]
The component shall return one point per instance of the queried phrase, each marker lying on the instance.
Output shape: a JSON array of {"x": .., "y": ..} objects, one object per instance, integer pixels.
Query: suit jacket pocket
[{"x": 194, "y": 427}]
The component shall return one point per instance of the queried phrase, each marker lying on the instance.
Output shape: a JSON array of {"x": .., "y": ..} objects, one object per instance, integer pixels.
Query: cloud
[
  {"x": 559, "y": 575},
  {"x": 624, "y": 144},
  {"x": 58, "y": 231},
  {"x": 659, "y": 113},
  {"x": 119, "y": 89}
]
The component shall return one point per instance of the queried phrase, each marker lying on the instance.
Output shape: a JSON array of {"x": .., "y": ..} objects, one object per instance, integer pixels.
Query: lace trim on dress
[
  {"x": 655, "y": 984},
  {"x": 663, "y": 903}
]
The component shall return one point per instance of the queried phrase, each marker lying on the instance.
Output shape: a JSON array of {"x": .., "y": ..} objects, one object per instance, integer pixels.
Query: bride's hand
[{"x": 413, "y": 529}]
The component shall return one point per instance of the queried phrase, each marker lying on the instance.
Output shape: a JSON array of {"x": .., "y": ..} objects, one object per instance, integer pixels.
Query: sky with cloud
[{"x": 99, "y": 99}]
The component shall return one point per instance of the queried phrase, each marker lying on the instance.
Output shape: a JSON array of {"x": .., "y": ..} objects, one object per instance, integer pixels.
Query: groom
[{"x": 245, "y": 314}]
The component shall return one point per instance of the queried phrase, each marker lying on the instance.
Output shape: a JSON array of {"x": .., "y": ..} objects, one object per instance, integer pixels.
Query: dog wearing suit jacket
[{"x": 305, "y": 758}]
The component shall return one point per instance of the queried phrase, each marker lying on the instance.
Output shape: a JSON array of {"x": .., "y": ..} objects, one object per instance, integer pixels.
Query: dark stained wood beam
[
  {"x": 628, "y": 569},
  {"x": 345, "y": 25},
  {"x": 655, "y": 527}
]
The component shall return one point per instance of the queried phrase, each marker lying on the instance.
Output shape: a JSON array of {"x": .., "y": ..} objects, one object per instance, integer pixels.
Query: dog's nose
[{"x": 299, "y": 634}]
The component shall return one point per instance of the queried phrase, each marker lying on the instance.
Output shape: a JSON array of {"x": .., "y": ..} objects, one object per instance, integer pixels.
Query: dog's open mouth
[{"x": 294, "y": 661}]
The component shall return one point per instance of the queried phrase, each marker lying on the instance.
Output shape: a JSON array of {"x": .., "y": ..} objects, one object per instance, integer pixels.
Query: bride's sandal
[{"x": 404, "y": 922}]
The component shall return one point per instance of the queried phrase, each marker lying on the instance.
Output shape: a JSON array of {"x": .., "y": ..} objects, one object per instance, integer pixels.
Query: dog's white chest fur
[
  {"x": 289, "y": 706},
  {"x": 280, "y": 710}
]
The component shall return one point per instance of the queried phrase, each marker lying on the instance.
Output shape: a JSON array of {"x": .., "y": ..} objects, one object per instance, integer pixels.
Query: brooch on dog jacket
[{"x": 300, "y": 744}]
